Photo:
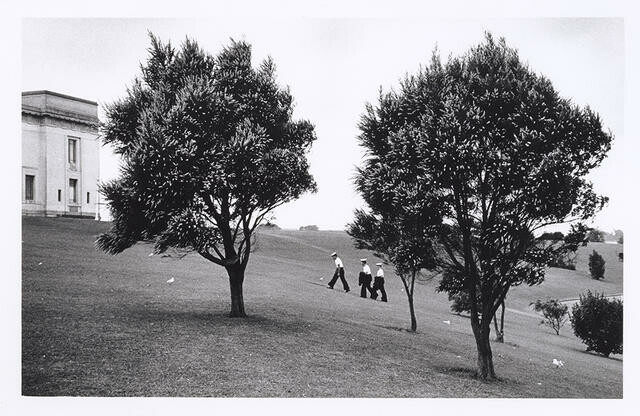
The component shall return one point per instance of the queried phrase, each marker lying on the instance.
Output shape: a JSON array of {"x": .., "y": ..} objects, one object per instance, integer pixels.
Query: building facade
[{"x": 60, "y": 155}]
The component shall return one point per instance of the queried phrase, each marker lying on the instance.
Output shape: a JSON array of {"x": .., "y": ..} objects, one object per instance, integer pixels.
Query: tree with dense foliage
[
  {"x": 486, "y": 153},
  {"x": 398, "y": 241},
  {"x": 597, "y": 321},
  {"x": 554, "y": 312},
  {"x": 596, "y": 265},
  {"x": 209, "y": 148}
]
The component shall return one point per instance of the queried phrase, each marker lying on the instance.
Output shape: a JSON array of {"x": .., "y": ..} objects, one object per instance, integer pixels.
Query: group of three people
[{"x": 364, "y": 279}]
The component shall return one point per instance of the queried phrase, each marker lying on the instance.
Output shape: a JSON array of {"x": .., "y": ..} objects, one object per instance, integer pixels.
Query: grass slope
[{"x": 100, "y": 325}]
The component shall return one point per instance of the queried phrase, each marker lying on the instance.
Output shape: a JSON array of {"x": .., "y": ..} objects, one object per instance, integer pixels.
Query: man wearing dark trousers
[
  {"x": 378, "y": 284},
  {"x": 338, "y": 273},
  {"x": 364, "y": 280}
]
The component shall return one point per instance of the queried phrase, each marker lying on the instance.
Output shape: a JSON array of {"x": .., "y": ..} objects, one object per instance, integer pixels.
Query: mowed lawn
[{"x": 101, "y": 325}]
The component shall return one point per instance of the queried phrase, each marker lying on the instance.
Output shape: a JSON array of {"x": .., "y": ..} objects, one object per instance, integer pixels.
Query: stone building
[{"x": 60, "y": 155}]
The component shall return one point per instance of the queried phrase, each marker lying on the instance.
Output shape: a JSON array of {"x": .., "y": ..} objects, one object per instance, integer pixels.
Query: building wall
[
  {"x": 33, "y": 164},
  {"x": 49, "y": 120}
]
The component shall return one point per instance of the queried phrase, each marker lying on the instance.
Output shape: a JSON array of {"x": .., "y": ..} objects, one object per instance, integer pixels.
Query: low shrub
[
  {"x": 596, "y": 265},
  {"x": 555, "y": 313},
  {"x": 553, "y": 236},
  {"x": 595, "y": 236},
  {"x": 563, "y": 262},
  {"x": 460, "y": 302},
  {"x": 597, "y": 321},
  {"x": 309, "y": 228}
]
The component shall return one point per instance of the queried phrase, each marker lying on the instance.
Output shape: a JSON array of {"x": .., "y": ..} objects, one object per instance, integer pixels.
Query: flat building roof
[{"x": 57, "y": 94}]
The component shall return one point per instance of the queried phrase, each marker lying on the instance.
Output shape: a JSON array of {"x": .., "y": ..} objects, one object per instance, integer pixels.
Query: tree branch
[{"x": 211, "y": 258}]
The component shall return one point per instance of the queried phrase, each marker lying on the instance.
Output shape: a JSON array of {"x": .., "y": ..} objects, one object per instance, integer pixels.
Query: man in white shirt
[
  {"x": 338, "y": 273},
  {"x": 378, "y": 284},
  {"x": 364, "y": 279}
]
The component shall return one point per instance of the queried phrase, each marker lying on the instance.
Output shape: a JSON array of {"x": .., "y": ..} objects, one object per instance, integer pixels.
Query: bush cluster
[
  {"x": 596, "y": 265},
  {"x": 553, "y": 236},
  {"x": 563, "y": 262},
  {"x": 554, "y": 312},
  {"x": 598, "y": 322},
  {"x": 460, "y": 302},
  {"x": 309, "y": 228},
  {"x": 595, "y": 236}
]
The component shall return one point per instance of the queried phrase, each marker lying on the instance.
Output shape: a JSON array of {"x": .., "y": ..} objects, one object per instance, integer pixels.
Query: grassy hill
[{"x": 102, "y": 325}]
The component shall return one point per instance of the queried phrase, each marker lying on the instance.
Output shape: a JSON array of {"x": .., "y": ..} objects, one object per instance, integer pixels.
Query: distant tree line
[{"x": 309, "y": 228}]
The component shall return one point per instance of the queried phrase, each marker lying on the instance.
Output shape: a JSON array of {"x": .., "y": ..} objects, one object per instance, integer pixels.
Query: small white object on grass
[
  {"x": 150, "y": 254},
  {"x": 558, "y": 363},
  {"x": 322, "y": 278},
  {"x": 40, "y": 264},
  {"x": 447, "y": 322},
  {"x": 171, "y": 280},
  {"x": 539, "y": 384}
]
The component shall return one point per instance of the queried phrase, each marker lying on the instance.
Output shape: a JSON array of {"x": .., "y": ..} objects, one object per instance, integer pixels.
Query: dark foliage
[
  {"x": 209, "y": 149},
  {"x": 480, "y": 152},
  {"x": 309, "y": 228},
  {"x": 595, "y": 236},
  {"x": 399, "y": 238},
  {"x": 564, "y": 261},
  {"x": 554, "y": 312},
  {"x": 554, "y": 236},
  {"x": 597, "y": 321},
  {"x": 596, "y": 265},
  {"x": 459, "y": 302},
  {"x": 270, "y": 225}
]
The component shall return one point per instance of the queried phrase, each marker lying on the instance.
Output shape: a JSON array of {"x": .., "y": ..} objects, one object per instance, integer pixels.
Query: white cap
[
  {"x": 334, "y": 254},
  {"x": 379, "y": 264},
  {"x": 363, "y": 260}
]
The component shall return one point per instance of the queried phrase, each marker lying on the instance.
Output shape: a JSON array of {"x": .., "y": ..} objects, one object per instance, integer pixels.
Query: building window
[
  {"x": 29, "y": 187},
  {"x": 88, "y": 199},
  {"x": 73, "y": 152},
  {"x": 59, "y": 195},
  {"x": 73, "y": 190}
]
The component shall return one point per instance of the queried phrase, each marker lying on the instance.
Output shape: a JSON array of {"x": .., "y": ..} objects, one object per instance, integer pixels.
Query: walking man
[
  {"x": 364, "y": 280},
  {"x": 378, "y": 284},
  {"x": 338, "y": 273}
]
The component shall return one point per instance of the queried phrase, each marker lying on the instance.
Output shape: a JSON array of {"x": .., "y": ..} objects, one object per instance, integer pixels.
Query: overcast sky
[{"x": 333, "y": 67}]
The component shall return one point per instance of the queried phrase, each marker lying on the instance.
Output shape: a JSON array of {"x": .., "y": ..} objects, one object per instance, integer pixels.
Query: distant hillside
[{"x": 146, "y": 317}]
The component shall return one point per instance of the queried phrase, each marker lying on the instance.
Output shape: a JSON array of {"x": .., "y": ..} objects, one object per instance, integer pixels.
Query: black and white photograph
[{"x": 363, "y": 203}]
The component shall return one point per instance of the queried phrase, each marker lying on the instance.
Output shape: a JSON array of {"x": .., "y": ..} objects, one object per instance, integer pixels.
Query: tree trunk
[
  {"x": 499, "y": 331},
  {"x": 414, "y": 323},
  {"x": 236, "y": 278},
  {"x": 502, "y": 322},
  {"x": 481, "y": 332},
  {"x": 409, "y": 292},
  {"x": 499, "y": 337}
]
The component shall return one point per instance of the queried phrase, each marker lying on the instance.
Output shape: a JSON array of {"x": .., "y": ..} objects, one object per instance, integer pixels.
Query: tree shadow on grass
[
  {"x": 470, "y": 374},
  {"x": 214, "y": 320},
  {"x": 463, "y": 372},
  {"x": 397, "y": 329},
  {"x": 595, "y": 354}
]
